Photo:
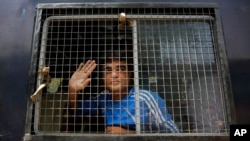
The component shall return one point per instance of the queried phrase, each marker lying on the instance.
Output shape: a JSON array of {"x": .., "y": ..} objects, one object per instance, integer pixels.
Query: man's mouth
[{"x": 115, "y": 81}]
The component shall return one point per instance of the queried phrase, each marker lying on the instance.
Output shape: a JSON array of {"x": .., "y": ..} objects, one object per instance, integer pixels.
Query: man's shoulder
[
  {"x": 104, "y": 92},
  {"x": 145, "y": 93},
  {"x": 101, "y": 95}
]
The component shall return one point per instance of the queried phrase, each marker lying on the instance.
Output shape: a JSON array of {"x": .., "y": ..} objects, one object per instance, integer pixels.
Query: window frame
[{"x": 35, "y": 53}]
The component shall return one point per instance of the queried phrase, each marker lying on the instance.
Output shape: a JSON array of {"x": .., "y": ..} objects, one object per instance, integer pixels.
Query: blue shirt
[{"x": 154, "y": 116}]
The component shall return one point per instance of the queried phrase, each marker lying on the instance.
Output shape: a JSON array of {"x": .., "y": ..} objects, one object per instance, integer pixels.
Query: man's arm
[
  {"x": 118, "y": 130},
  {"x": 167, "y": 123},
  {"x": 72, "y": 99}
]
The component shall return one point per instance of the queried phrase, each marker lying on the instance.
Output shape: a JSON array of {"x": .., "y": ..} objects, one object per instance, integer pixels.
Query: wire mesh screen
[
  {"x": 147, "y": 70},
  {"x": 177, "y": 60}
]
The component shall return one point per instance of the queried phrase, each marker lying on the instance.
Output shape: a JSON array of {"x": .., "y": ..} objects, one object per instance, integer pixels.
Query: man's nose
[{"x": 114, "y": 74}]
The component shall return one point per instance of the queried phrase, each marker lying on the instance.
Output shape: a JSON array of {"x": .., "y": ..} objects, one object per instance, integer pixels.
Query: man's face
[{"x": 116, "y": 76}]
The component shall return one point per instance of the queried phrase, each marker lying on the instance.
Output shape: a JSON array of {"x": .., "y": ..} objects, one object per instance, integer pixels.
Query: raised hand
[{"x": 80, "y": 78}]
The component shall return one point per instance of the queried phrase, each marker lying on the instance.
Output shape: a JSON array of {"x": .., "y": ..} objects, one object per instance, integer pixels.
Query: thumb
[{"x": 86, "y": 82}]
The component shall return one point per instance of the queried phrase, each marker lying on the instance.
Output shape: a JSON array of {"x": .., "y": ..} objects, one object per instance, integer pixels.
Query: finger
[
  {"x": 80, "y": 67},
  {"x": 86, "y": 82},
  {"x": 90, "y": 67},
  {"x": 85, "y": 65}
]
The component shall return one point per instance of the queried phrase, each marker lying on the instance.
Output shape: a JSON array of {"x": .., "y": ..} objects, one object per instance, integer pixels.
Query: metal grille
[{"x": 175, "y": 55}]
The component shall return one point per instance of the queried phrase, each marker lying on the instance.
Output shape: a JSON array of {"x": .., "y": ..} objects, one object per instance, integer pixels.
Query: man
[{"x": 117, "y": 102}]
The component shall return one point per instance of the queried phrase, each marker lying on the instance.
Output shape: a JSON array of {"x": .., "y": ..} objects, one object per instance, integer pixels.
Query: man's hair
[
  {"x": 117, "y": 55},
  {"x": 117, "y": 51}
]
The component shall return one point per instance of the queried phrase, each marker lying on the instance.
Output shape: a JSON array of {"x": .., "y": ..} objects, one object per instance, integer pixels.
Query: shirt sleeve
[
  {"x": 156, "y": 114},
  {"x": 166, "y": 123}
]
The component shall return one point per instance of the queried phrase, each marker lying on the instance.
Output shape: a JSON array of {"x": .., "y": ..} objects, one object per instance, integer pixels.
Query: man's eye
[
  {"x": 122, "y": 69},
  {"x": 107, "y": 70}
]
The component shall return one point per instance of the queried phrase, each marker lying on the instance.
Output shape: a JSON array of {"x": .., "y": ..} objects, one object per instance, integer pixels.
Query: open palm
[{"x": 80, "y": 78}]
